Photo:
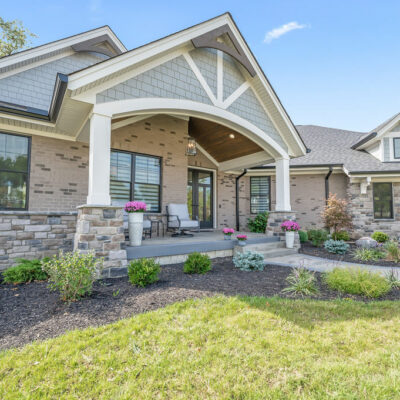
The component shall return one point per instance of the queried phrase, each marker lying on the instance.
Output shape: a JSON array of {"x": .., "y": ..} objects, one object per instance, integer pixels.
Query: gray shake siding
[
  {"x": 206, "y": 61},
  {"x": 34, "y": 87},
  {"x": 232, "y": 77},
  {"x": 386, "y": 149}
]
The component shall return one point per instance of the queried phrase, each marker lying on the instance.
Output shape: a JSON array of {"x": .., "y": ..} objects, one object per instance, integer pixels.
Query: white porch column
[
  {"x": 282, "y": 175},
  {"x": 99, "y": 160}
]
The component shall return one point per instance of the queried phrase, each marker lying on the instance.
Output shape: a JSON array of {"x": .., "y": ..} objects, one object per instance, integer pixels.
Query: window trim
[
  {"x": 132, "y": 182},
  {"x": 394, "y": 147},
  {"x": 269, "y": 194},
  {"x": 27, "y": 173},
  {"x": 391, "y": 218}
]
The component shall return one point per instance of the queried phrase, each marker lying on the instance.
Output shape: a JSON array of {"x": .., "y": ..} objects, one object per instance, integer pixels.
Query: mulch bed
[
  {"x": 309, "y": 249},
  {"x": 31, "y": 311}
]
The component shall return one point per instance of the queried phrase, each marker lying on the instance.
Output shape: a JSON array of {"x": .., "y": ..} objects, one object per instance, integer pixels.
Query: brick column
[
  {"x": 275, "y": 220},
  {"x": 100, "y": 229}
]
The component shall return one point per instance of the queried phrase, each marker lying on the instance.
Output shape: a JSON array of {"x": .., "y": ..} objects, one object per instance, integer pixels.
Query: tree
[
  {"x": 335, "y": 214},
  {"x": 13, "y": 36}
]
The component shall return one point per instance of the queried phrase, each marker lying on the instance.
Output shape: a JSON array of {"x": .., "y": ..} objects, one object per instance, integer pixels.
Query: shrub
[
  {"x": 25, "y": 271},
  {"x": 303, "y": 236},
  {"x": 317, "y": 236},
  {"x": 368, "y": 254},
  {"x": 393, "y": 278},
  {"x": 72, "y": 274},
  {"x": 249, "y": 261},
  {"x": 302, "y": 283},
  {"x": 380, "y": 237},
  {"x": 197, "y": 263},
  {"x": 392, "y": 250},
  {"x": 143, "y": 272},
  {"x": 336, "y": 246},
  {"x": 341, "y": 235},
  {"x": 259, "y": 223},
  {"x": 335, "y": 214},
  {"x": 357, "y": 281}
]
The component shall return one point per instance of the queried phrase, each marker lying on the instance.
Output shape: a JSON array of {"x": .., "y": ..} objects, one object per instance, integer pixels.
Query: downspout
[
  {"x": 237, "y": 198},
  {"x": 327, "y": 183}
]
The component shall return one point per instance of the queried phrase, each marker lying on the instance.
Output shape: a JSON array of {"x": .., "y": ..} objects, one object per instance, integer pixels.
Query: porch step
[
  {"x": 271, "y": 249},
  {"x": 278, "y": 253}
]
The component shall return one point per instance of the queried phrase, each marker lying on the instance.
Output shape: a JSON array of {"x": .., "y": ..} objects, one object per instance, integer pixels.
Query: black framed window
[
  {"x": 396, "y": 147},
  {"x": 383, "y": 200},
  {"x": 14, "y": 171},
  {"x": 136, "y": 177},
  {"x": 260, "y": 194}
]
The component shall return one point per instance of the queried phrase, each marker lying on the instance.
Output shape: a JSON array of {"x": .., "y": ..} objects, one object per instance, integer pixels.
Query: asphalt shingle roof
[{"x": 333, "y": 146}]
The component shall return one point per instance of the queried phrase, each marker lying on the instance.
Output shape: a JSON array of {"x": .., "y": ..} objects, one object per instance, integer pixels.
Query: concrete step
[
  {"x": 277, "y": 253},
  {"x": 260, "y": 247}
]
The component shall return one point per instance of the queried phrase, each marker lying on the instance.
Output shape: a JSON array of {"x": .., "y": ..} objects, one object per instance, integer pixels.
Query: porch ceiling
[{"x": 214, "y": 138}]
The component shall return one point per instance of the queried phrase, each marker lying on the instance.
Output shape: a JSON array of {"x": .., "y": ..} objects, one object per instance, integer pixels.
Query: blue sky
[{"x": 339, "y": 66}]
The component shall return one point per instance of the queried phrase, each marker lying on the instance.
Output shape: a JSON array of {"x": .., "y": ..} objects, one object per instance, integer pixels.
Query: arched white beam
[{"x": 186, "y": 107}]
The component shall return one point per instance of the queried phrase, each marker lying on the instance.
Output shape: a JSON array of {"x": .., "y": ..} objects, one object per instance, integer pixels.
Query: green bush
[
  {"x": 303, "y": 236},
  {"x": 368, "y": 254},
  {"x": 25, "y": 271},
  {"x": 249, "y": 261},
  {"x": 72, "y": 274},
  {"x": 341, "y": 235},
  {"x": 302, "y": 282},
  {"x": 393, "y": 278},
  {"x": 357, "y": 281},
  {"x": 380, "y": 237},
  {"x": 392, "y": 250},
  {"x": 143, "y": 272},
  {"x": 259, "y": 223},
  {"x": 317, "y": 236},
  {"x": 336, "y": 246},
  {"x": 197, "y": 263}
]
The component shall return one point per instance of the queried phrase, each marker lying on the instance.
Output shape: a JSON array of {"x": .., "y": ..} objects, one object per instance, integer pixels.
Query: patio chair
[{"x": 179, "y": 221}]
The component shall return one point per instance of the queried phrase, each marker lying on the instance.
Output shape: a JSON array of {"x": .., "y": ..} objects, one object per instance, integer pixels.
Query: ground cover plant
[
  {"x": 72, "y": 274},
  {"x": 143, "y": 272},
  {"x": 25, "y": 271},
  {"x": 302, "y": 282},
  {"x": 392, "y": 250},
  {"x": 357, "y": 281},
  {"x": 249, "y": 261},
  {"x": 258, "y": 224},
  {"x": 197, "y": 263},
  {"x": 219, "y": 347},
  {"x": 368, "y": 254},
  {"x": 336, "y": 246}
]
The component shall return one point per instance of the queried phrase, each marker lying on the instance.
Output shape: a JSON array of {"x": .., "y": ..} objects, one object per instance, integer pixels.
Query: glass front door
[{"x": 200, "y": 196}]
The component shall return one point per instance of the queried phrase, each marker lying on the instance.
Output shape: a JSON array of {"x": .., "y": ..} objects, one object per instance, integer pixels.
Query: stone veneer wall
[
  {"x": 25, "y": 234},
  {"x": 275, "y": 220},
  {"x": 361, "y": 210}
]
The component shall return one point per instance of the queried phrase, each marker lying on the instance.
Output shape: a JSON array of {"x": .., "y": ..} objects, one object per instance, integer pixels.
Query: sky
[{"x": 333, "y": 63}]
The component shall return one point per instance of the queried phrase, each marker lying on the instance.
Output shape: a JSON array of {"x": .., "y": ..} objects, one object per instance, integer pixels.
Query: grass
[{"x": 219, "y": 348}]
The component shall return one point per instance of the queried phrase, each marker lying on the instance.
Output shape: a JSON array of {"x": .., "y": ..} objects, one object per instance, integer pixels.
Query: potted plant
[
  {"x": 135, "y": 210},
  {"x": 228, "y": 232},
  {"x": 241, "y": 240},
  {"x": 290, "y": 227}
]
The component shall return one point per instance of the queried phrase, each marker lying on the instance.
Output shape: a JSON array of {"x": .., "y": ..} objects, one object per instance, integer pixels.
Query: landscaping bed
[
  {"x": 31, "y": 311},
  {"x": 309, "y": 249}
]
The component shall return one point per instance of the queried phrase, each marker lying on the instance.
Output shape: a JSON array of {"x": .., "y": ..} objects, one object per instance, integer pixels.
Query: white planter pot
[
  {"x": 289, "y": 236},
  {"x": 227, "y": 237},
  {"x": 135, "y": 225},
  {"x": 242, "y": 243}
]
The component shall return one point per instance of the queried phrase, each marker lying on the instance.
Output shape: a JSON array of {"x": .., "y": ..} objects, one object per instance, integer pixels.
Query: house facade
[{"x": 86, "y": 125}]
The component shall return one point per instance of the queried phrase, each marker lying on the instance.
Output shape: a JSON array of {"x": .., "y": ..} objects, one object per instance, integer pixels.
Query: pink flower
[
  {"x": 290, "y": 226},
  {"x": 241, "y": 237},
  {"x": 228, "y": 231},
  {"x": 135, "y": 206}
]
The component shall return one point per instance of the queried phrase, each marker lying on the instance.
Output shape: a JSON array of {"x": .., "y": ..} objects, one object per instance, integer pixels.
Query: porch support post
[
  {"x": 99, "y": 160},
  {"x": 282, "y": 185}
]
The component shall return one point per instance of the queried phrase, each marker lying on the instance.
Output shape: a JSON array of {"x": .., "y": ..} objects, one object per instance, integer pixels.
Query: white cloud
[{"x": 282, "y": 30}]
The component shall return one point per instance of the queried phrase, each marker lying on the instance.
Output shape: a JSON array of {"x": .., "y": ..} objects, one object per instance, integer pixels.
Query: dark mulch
[
  {"x": 308, "y": 248},
  {"x": 30, "y": 312}
]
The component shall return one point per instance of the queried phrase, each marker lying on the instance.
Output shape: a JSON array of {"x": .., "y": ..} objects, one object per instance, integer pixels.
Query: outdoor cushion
[
  {"x": 181, "y": 210},
  {"x": 185, "y": 223}
]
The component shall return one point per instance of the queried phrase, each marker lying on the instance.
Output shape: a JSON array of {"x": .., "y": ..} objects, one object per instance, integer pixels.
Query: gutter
[
  {"x": 60, "y": 87},
  {"x": 237, "y": 198},
  {"x": 327, "y": 183}
]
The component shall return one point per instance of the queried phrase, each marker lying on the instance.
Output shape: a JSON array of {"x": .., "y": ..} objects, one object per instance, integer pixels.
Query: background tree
[
  {"x": 335, "y": 214},
  {"x": 13, "y": 36}
]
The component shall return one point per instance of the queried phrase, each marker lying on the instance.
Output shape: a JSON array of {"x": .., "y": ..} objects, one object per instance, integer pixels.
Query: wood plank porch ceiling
[{"x": 214, "y": 138}]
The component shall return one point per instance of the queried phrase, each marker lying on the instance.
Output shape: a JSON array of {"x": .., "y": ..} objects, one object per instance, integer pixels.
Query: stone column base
[
  {"x": 100, "y": 229},
  {"x": 275, "y": 220}
]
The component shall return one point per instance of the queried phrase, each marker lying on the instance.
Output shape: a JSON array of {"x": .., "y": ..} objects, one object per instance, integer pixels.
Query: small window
[
  {"x": 259, "y": 194},
  {"x": 136, "y": 177},
  {"x": 383, "y": 200},
  {"x": 396, "y": 148},
  {"x": 14, "y": 167}
]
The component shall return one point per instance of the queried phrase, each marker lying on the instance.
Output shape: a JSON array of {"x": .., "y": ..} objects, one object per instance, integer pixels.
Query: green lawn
[{"x": 219, "y": 348}]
